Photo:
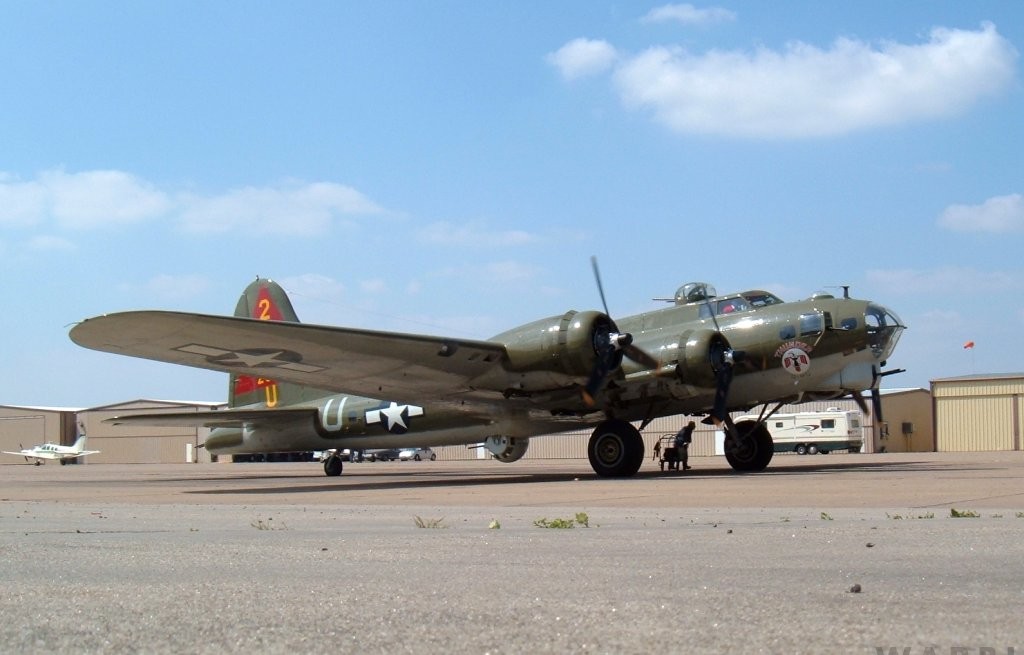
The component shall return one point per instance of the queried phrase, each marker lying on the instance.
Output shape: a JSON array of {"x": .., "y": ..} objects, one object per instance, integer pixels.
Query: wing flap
[{"x": 344, "y": 360}]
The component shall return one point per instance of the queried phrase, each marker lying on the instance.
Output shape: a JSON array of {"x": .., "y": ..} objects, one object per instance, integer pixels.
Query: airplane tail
[
  {"x": 79, "y": 444},
  {"x": 264, "y": 300}
]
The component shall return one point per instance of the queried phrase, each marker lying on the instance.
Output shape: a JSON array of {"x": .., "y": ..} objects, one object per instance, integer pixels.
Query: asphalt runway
[{"x": 427, "y": 557}]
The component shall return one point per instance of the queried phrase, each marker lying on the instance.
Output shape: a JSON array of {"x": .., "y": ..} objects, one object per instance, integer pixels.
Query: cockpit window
[
  {"x": 724, "y": 307},
  {"x": 732, "y": 305},
  {"x": 761, "y": 298}
]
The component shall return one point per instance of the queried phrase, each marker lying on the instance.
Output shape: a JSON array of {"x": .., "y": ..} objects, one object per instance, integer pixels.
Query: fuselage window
[
  {"x": 810, "y": 324},
  {"x": 787, "y": 332}
]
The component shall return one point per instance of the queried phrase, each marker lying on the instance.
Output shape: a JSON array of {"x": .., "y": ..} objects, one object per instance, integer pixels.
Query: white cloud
[
  {"x": 373, "y": 286},
  {"x": 299, "y": 209},
  {"x": 21, "y": 203},
  {"x": 950, "y": 281},
  {"x": 105, "y": 198},
  {"x": 314, "y": 286},
  {"x": 687, "y": 14},
  {"x": 50, "y": 244},
  {"x": 998, "y": 214},
  {"x": 509, "y": 271},
  {"x": 802, "y": 90},
  {"x": 100, "y": 198},
  {"x": 176, "y": 287},
  {"x": 473, "y": 235},
  {"x": 583, "y": 57},
  {"x": 492, "y": 273}
]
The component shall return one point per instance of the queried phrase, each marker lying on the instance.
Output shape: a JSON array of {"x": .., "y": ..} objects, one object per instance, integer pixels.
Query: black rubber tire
[
  {"x": 616, "y": 449},
  {"x": 755, "y": 450},
  {"x": 332, "y": 466}
]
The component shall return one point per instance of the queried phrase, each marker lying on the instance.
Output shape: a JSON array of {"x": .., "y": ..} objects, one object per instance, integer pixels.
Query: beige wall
[
  {"x": 138, "y": 444},
  {"x": 978, "y": 413},
  {"x": 24, "y": 427},
  {"x": 913, "y": 406}
]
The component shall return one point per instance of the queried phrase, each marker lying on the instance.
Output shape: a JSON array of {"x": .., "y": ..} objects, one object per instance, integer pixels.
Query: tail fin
[
  {"x": 79, "y": 444},
  {"x": 264, "y": 300}
]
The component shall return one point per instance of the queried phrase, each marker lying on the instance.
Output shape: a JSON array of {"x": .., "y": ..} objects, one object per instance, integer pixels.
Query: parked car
[
  {"x": 383, "y": 454},
  {"x": 417, "y": 454}
]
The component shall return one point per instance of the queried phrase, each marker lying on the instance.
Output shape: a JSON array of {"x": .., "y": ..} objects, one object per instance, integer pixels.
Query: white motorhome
[{"x": 808, "y": 433}]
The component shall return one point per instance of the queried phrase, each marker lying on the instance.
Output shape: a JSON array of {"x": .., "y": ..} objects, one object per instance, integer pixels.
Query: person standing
[{"x": 682, "y": 443}]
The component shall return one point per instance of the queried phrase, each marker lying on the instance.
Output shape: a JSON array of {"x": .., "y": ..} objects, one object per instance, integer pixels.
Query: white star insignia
[{"x": 394, "y": 417}]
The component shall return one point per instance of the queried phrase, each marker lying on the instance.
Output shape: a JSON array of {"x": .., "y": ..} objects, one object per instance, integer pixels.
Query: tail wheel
[
  {"x": 616, "y": 449},
  {"x": 750, "y": 449},
  {"x": 332, "y": 466}
]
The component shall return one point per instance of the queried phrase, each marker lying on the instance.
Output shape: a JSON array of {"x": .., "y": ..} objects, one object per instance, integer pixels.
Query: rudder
[{"x": 263, "y": 300}]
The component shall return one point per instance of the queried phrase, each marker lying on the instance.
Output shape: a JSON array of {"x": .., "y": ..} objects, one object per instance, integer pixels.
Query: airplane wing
[
  {"x": 20, "y": 453},
  {"x": 346, "y": 360}
]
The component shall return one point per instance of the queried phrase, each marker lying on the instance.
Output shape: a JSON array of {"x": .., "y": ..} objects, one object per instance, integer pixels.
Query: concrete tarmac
[{"x": 837, "y": 553}]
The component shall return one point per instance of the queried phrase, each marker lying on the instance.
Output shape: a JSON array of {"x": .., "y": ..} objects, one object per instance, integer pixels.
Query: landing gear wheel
[
  {"x": 616, "y": 449},
  {"x": 332, "y": 466},
  {"x": 750, "y": 449}
]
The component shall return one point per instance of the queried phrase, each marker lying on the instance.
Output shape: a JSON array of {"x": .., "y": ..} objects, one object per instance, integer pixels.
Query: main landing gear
[
  {"x": 616, "y": 449},
  {"x": 748, "y": 446}
]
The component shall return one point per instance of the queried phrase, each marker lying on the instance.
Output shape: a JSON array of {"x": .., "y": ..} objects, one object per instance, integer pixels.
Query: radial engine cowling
[
  {"x": 507, "y": 449},
  {"x": 559, "y": 350},
  {"x": 700, "y": 356}
]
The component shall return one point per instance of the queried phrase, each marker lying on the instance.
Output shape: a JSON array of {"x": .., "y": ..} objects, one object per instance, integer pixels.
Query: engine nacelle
[
  {"x": 507, "y": 449},
  {"x": 700, "y": 353},
  {"x": 559, "y": 350}
]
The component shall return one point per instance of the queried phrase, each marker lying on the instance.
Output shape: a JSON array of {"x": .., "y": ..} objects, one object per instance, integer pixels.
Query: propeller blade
[
  {"x": 600, "y": 287},
  {"x": 724, "y": 360},
  {"x": 610, "y": 348},
  {"x": 876, "y": 403},
  {"x": 595, "y": 382},
  {"x": 723, "y": 379},
  {"x": 607, "y": 350},
  {"x": 859, "y": 399},
  {"x": 641, "y": 357}
]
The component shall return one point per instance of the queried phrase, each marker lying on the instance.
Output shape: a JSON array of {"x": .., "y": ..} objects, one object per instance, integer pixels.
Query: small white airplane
[{"x": 47, "y": 451}]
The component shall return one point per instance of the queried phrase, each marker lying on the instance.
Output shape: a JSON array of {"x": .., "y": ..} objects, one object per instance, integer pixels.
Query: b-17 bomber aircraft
[
  {"x": 299, "y": 387},
  {"x": 46, "y": 451}
]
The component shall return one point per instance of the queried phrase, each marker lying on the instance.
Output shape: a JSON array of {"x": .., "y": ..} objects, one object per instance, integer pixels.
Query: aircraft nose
[{"x": 884, "y": 328}]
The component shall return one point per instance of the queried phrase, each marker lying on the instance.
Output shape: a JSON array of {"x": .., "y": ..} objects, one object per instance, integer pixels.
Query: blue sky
[{"x": 449, "y": 168}]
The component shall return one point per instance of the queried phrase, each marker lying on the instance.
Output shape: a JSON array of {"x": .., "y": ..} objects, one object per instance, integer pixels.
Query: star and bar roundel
[{"x": 252, "y": 358}]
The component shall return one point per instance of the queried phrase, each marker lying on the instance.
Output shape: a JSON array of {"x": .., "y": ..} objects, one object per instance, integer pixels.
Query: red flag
[{"x": 968, "y": 345}]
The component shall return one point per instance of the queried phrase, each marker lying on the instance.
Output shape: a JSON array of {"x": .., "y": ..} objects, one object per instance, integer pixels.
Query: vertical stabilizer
[{"x": 263, "y": 300}]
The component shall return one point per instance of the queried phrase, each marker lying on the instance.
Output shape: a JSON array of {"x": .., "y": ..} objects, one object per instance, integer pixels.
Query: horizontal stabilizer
[{"x": 228, "y": 418}]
